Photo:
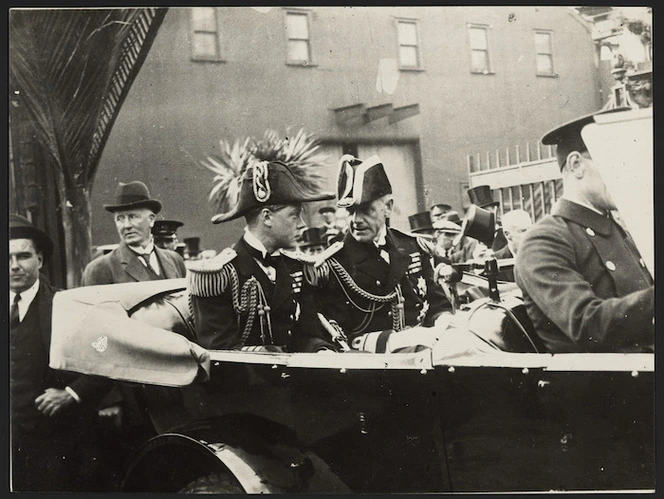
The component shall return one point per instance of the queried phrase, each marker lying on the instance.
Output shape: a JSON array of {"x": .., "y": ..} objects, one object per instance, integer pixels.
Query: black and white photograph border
[{"x": 331, "y": 249}]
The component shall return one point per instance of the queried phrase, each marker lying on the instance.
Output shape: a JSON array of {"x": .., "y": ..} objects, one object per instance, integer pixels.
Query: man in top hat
[
  {"x": 481, "y": 196},
  {"x": 251, "y": 295},
  {"x": 53, "y": 413},
  {"x": 193, "y": 247},
  {"x": 164, "y": 232},
  {"x": 313, "y": 240},
  {"x": 137, "y": 257},
  {"x": 377, "y": 278},
  {"x": 585, "y": 286},
  {"x": 438, "y": 211},
  {"x": 420, "y": 223}
]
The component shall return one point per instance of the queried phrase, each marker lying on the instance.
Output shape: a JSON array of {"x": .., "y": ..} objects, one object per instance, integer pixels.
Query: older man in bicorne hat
[
  {"x": 584, "y": 283},
  {"x": 53, "y": 413},
  {"x": 377, "y": 278},
  {"x": 250, "y": 296},
  {"x": 137, "y": 257}
]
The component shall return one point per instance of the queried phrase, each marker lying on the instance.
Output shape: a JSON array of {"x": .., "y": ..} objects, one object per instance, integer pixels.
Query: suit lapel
[
  {"x": 168, "y": 267},
  {"x": 132, "y": 266},
  {"x": 247, "y": 267},
  {"x": 282, "y": 287}
]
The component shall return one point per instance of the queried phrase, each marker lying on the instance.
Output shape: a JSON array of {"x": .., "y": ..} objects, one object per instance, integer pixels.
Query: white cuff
[{"x": 73, "y": 394}]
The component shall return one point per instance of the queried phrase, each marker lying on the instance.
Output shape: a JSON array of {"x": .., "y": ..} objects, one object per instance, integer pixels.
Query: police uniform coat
[
  {"x": 123, "y": 265},
  {"x": 409, "y": 267},
  {"x": 585, "y": 287},
  {"x": 294, "y": 325},
  {"x": 49, "y": 449}
]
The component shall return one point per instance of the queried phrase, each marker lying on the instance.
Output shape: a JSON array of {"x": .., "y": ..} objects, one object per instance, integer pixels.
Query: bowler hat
[
  {"x": 360, "y": 181},
  {"x": 567, "y": 137},
  {"x": 481, "y": 196},
  {"x": 269, "y": 183},
  {"x": 421, "y": 222},
  {"x": 313, "y": 236},
  {"x": 21, "y": 228},
  {"x": 133, "y": 195},
  {"x": 165, "y": 228},
  {"x": 479, "y": 224}
]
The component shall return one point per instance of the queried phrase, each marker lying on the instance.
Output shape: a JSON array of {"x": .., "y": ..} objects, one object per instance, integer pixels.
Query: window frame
[
  {"x": 553, "y": 73},
  {"x": 418, "y": 46},
  {"x": 308, "y": 15},
  {"x": 193, "y": 32},
  {"x": 485, "y": 28}
]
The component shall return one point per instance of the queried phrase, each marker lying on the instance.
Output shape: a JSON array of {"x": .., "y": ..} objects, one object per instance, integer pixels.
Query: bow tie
[{"x": 267, "y": 260}]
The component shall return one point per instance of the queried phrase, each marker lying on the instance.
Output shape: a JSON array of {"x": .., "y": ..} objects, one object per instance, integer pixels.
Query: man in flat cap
[
  {"x": 585, "y": 286},
  {"x": 251, "y": 295},
  {"x": 377, "y": 278},
  {"x": 136, "y": 258},
  {"x": 53, "y": 413}
]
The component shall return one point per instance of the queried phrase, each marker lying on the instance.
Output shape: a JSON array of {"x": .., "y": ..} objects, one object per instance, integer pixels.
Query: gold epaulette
[
  {"x": 317, "y": 269},
  {"x": 330, "y": 251},
  {"x": 210, "y": 277},
  {"x": 299, "y": 256},
  {"x": 425, "y": 242}
]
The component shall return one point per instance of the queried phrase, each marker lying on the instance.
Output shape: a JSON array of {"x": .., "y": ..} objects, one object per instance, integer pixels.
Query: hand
[
  {"x": 481, "y": 253},
  {"x": 53, "y": 401},
  {"x": 444, "y": 272},
  {"x": 111, "y": 416},
  {"x": 326, "y": 350}
]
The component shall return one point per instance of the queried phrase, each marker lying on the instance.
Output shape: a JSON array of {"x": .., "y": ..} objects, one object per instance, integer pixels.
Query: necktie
[
  {"x": 146, "y": 258},
  {"x": 13, "y": 313}
]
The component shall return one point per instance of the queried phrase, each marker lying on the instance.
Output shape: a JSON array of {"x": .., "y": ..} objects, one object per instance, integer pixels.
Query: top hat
[
  {"x": 481, "y": 196},
  {"x": 479, "y": 224},
  {"x": 313, "y": 236},
  {"x": 165, "y": 229},
  {"x": 444, "y": 208},
  {"x": 360, "y": 181},
  {"x": 567, "y": 137},
  {"x": 269, "y": 183},
  {"x": 133, "y": 195},
  {"x": 326, "y": 209},
  {"x": 420, "y": 222},
  {"x": 193, "y": 245},
  {"x": 447, "y": 227},
  {"x": 21, "y": 228},
  {"x": 452, "y": 216}
]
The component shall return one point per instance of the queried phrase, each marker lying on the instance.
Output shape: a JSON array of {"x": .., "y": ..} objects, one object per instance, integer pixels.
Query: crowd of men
[{"x": 582, "y": 280}]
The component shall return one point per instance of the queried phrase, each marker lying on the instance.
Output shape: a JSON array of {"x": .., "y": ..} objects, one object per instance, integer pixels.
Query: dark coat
[
  {"x": 585, "y": 286},
  {"x": 294, "y": 324},
  {"x": 31, "y": 376},
  {"x": 506, "y": 274},
  {"x": 409, "y": 266},
  {"x": 123, "y": 265}
]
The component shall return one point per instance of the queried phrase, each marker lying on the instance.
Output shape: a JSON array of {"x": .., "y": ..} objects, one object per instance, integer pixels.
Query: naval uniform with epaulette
[
  {"x": 363, "y": 292},
  {"x": 235, "y": 304}
]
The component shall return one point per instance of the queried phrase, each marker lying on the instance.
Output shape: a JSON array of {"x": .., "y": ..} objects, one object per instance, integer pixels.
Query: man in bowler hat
[
  {"x": 585, "y": 286},
  {"x": 384, "y": 279},
  {"x": 250, "y": 295},
  {"x": 53, "y": 413}
]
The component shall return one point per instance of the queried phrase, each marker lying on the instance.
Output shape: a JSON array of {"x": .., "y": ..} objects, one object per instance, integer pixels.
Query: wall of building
[{"x": 177, "y": 110}]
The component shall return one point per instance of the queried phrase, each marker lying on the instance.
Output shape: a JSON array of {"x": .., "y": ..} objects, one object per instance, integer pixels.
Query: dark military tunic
[
  {"x": 290, "y": 321},
  {"x": 409, "y": 269},
  {"x": 584, "y": 283}
]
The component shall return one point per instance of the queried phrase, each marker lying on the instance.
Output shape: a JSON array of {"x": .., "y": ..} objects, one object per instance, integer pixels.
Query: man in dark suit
[
  {"x": 378, "y": 278},
  {"x": 251, "y": 295},
  {"x": 584, "y": 283},
  {"x": 137, "y": 258},
  {"x": 53, "y": 413}
]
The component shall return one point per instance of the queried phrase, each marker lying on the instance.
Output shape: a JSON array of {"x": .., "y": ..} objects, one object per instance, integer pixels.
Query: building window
[
  {"x": 205, "y": 44},
  {"x": 479, "y": 49},
  {"x": 299, "y": 42},
  {"x": 544, "y": 53},
  {"x": 409, "y": 52}
]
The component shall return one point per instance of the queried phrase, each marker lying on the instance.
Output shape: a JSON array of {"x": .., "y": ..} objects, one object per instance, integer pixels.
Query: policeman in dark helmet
[
  {"x": 377, "y": 278},
  {"x": 165, "y": 233},
  {"x": 250, "y": 295},
  {"x": 585, "y": 286}
]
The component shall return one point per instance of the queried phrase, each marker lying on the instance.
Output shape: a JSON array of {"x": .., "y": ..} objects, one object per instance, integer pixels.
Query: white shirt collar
[
  {"x": 255, "y": 243},
  {"x": 380, "y": 240},
  {"x": 27, "y": 297},
  {"x": 143, "y": 251}
]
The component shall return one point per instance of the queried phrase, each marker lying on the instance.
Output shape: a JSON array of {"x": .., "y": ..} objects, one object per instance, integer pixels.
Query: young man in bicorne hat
[
  {"x": 384, "y": 279},
  {"x": 251, "y": 295},
  {"x": 584, "y": 283}
]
